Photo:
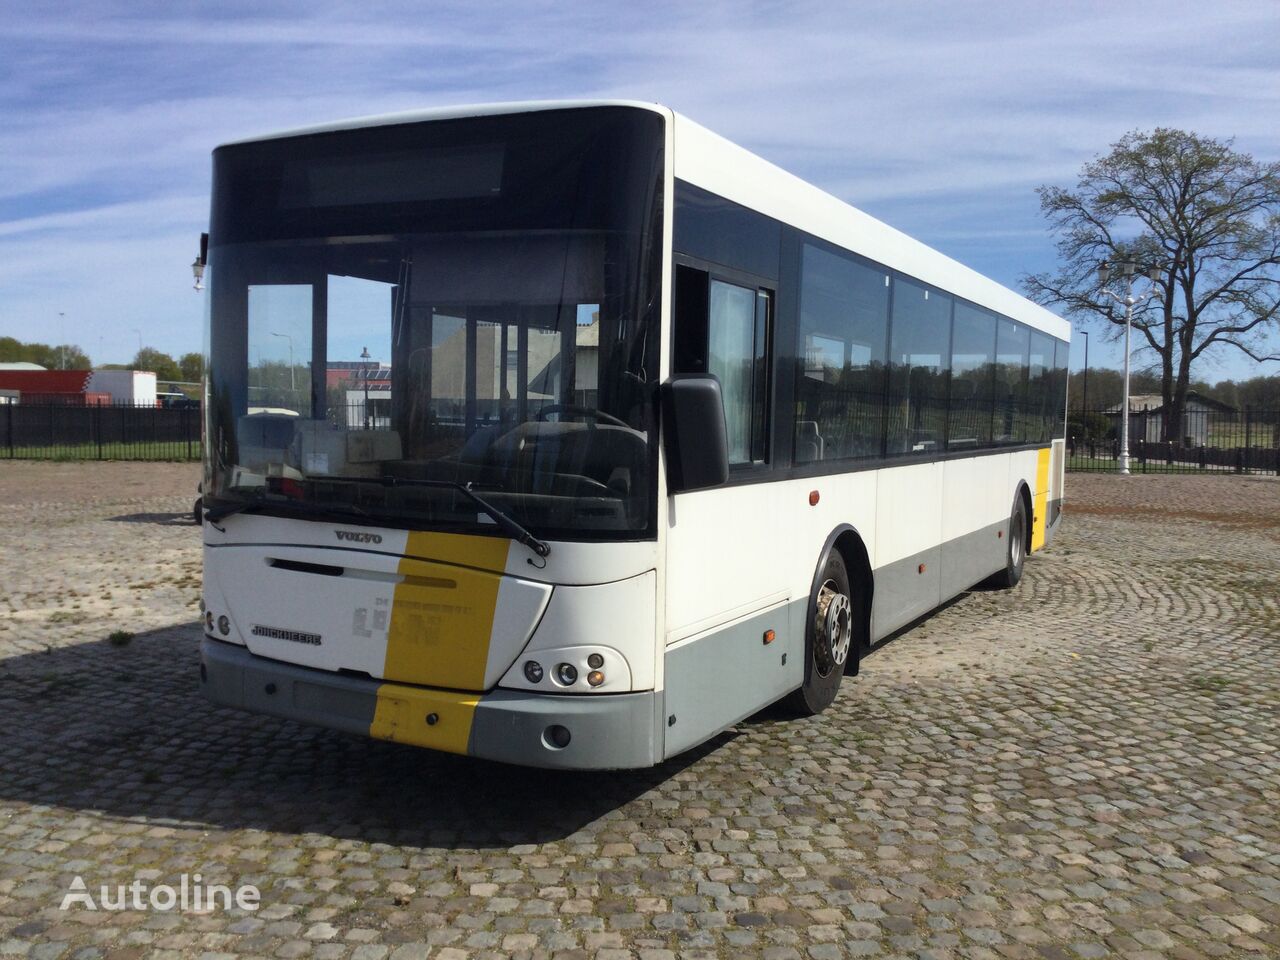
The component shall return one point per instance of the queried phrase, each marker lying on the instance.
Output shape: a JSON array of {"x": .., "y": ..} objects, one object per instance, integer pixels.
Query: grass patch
[
  {"x": 119, "y": 638},
  {"x": 177, "y": 450},
  {"x": 67, "y": 616},
  {"x": 1211, "y": 682}
]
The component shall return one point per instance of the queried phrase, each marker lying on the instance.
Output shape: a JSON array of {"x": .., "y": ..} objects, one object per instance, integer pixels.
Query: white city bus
[{"x": 571, "y": 434}]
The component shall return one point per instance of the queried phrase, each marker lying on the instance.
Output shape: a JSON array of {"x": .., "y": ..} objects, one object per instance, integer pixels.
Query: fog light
[
  {"x": 595, "y": 661},
  {"x": 533, "y": 671},
  {"x": 208, "y": 619},
  {"x": 224, "y": 625},
  {"x": 595, "y": 678},
  {"x": 567, "y": 674},
  {"x": 556, "y": 736}
]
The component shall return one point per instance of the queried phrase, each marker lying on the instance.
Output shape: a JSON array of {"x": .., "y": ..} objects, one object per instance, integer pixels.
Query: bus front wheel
[{"x": 830, "y": 638}]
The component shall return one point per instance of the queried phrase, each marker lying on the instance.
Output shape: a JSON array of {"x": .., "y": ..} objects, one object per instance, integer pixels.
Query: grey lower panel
[
  {"x": 606, "y": 732},
  {"x": 903, "y": 593},
  {"x": 972, "y": 558},
  {"x": 232, "y": 676},
  {"x": 1055, "y": 519},
  {"x": 717, "y": 680}
]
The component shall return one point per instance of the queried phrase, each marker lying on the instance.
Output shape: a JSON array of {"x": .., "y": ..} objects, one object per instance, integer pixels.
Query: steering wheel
[{"x": 587, "y": 413}]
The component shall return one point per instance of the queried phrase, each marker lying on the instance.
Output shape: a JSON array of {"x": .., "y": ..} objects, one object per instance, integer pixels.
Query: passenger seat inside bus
[{"x": 809, "y": 442}]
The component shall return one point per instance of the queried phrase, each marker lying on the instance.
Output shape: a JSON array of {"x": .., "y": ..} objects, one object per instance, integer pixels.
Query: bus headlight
[{"x": 563, "y": 670}]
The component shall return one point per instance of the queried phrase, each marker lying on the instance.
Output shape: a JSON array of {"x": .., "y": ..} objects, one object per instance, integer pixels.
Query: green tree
[
  {"x": 192, "y": 366},
  {"x": 1206, "y": 215},
  {"x": 63, "y": 356},
  {"x": 161, "y": 364}
]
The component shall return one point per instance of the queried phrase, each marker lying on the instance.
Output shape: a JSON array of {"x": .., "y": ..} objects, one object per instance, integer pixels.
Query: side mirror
[{"x": 696, "y": 442}]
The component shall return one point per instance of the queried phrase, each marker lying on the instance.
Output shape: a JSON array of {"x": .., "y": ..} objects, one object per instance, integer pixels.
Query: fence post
[
  {"x": 1248, "y": 439},
  {"x": 97, "y": 427},
  {"x": 9, "y": 407}
]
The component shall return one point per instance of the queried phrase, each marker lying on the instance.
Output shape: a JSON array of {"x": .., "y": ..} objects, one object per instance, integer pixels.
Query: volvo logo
[{"x": 353, "y": 537}]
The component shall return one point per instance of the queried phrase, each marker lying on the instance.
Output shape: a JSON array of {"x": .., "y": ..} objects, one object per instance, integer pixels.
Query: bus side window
[{"x": 723, "y": 329}]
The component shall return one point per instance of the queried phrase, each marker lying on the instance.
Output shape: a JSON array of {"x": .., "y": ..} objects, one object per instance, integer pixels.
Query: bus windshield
[{"x": 398, "y": 310}]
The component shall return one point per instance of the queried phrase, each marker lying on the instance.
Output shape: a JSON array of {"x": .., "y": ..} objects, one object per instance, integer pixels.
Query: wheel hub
[{"x": 833, "y": 623}]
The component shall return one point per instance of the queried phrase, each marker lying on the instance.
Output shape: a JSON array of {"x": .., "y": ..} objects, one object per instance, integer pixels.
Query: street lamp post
[
  {"x": 365, "y": 358},
  {"x": 292, "y": 387},
  {"x": 1085, "y": 399},
  {"x": 1127, "y": 269}
]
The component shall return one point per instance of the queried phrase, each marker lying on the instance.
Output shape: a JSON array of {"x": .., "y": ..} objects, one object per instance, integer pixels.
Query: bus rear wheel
[
  {"x": 830, "y": 639},
  {"x": 1015, "y": 549}
]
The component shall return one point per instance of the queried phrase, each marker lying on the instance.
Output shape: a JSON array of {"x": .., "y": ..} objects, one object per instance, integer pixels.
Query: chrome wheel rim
[
  {"x": 833, "y": 628},
  {"x": 1016, "y": 540}
]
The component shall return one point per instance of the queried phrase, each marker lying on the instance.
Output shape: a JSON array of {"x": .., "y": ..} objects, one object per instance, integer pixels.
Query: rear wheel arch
[
  {"x": 1024, "y": 492},
  {"x": 1010, "y": 573}
]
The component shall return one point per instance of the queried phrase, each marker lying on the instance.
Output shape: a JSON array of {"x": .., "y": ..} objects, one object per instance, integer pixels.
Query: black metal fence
[
  {"x": 65, "y": 432},
  {"x": 1225, "y": 441}
]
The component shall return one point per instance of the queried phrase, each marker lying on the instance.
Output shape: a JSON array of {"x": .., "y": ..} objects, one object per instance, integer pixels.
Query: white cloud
[{"x": 938, "y": 117}]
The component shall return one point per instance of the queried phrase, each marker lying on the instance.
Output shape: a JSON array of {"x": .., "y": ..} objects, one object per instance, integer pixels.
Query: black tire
[
  {"x": 197, "y": 512},
  {"x": 1015, "y": 551},
  {"x": 832, "y": 635}
]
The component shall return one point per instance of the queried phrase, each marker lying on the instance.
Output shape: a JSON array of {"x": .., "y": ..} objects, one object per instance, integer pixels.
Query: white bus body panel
[{"x": 736, "y": 550}]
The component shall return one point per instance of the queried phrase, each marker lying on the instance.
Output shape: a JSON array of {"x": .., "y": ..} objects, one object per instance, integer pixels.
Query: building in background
[
  {"x": 80, "y": 387},
  {"x": 136, "y": 387},
  {"x": 1146, "y": 417}
]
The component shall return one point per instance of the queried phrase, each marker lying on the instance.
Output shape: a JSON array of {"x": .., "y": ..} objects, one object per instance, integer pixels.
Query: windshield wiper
[
  {"x": 214, "y": 514},
  {"x": 508, "y": 524}
]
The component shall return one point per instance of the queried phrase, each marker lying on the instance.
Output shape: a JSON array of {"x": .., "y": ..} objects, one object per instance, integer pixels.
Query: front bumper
[{"x": 608, "y": 731}]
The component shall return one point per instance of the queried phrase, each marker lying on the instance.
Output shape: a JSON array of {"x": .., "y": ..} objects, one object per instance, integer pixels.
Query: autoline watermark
[{"x": 191, "y": 894}]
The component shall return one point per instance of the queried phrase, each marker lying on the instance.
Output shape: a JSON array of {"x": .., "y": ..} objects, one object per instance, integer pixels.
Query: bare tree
[{"x": 1207, "y": 215}]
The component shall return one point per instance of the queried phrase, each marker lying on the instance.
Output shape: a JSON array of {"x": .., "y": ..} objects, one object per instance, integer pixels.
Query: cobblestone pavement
[{"x": 1087, "y": 766}]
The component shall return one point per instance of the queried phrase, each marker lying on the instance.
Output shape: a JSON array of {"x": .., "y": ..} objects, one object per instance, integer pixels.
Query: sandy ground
[{"x": 38, "y": 481}]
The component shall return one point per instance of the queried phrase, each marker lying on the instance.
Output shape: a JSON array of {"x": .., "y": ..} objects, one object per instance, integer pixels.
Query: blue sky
[{"x": 939, "y": 118}]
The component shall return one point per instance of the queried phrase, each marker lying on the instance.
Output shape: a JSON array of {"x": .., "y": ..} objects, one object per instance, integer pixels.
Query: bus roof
[
  {"x": 452, "y": 113},
  {"x": 708, "y": 160}
]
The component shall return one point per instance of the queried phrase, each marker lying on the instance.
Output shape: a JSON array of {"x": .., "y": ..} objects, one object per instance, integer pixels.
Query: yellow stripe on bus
[
  {"x": 438, "y": 719},
  {"x": 442, "y": 614},
  {"x": 1041, "y": 500}
]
